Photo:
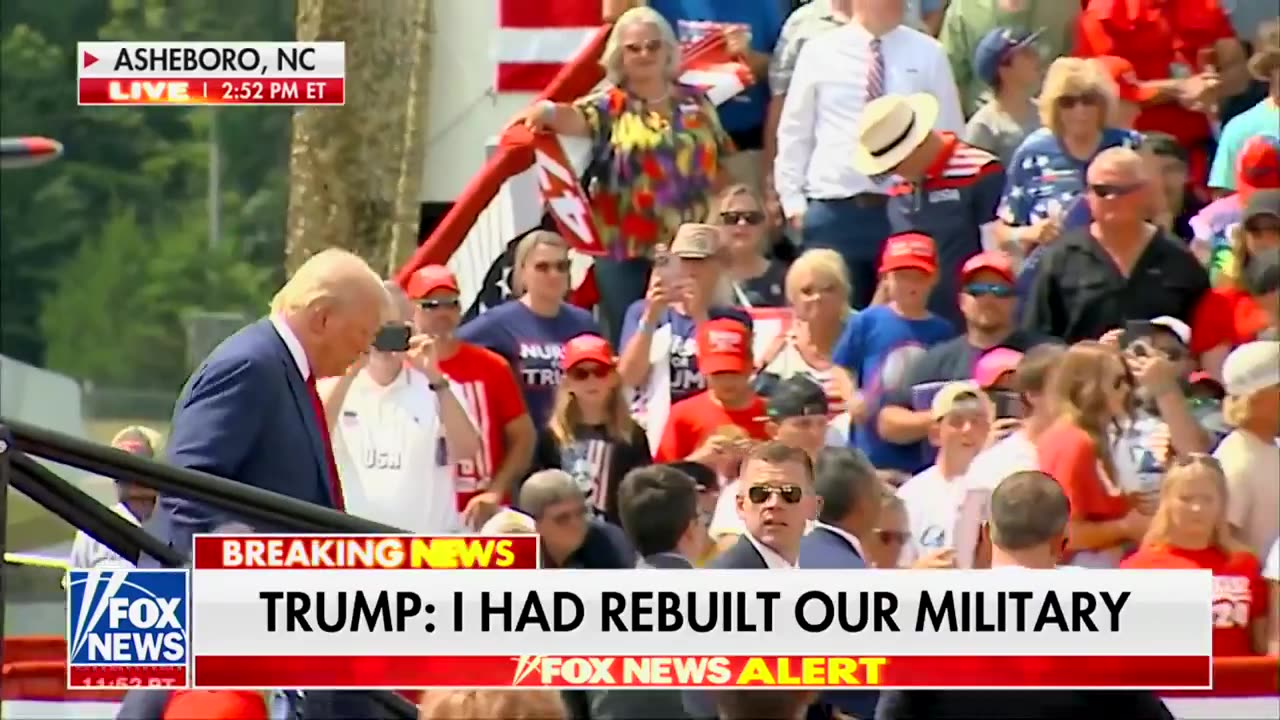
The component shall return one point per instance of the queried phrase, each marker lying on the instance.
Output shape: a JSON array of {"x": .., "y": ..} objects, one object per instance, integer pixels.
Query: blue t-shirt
[
  {"x": 880, "y": 348},
  {"x": 532, "y": 345},
  {"x": 1043, "y": 179},
  {"x": 692, "y": 19},
  {"x": 685, "y": 378},
  {"x": 1261, "y": 119}
]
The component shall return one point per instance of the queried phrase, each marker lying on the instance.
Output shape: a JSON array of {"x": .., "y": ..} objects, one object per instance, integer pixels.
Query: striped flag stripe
[
  {"x": 551, "y": 13},
  {"x": 536, "y": 39},
  {"x": 542, "y": 45}
]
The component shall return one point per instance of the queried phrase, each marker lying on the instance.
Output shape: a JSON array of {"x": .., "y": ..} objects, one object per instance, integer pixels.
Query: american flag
[{"x": 536, "y": 38}]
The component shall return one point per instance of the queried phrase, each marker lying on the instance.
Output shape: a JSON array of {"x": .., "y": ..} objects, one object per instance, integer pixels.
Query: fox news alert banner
[
  {"x": 221, "y": 73},
  {"x": 400, "y": 611}
]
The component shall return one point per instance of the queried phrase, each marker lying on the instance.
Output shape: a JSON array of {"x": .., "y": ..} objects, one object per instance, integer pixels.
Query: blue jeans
[
  {"x": 620, "y": 283},
  {"x": 854, "y": 230}
]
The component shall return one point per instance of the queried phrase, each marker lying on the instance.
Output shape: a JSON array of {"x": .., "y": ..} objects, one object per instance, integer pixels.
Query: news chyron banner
[
  {"x": 391, "y": 612},
  {"x": 221, "y": 73}
]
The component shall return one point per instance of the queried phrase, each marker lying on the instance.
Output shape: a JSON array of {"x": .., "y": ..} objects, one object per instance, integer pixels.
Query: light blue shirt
[{"x": 1261, "y": 119}]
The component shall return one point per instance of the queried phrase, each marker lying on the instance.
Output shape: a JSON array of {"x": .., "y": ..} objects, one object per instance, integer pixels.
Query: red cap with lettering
[
  {"x": 724, "y": 346},
  {"x": 586, "y": 348},
  {"x": 1259, "y": 165},
  {"x": 909, "y": 251}
]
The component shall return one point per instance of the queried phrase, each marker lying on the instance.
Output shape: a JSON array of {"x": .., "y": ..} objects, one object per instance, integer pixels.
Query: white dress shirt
[
  {"x": 89, "y": 553},
  {"x": 772, "y": 559},
  {"x": 292, "y": 342},
  {"x": 818, "y": 127}
]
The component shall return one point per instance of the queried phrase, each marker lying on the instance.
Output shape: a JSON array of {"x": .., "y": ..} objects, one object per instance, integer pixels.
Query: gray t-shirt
[{"x": 994, "y": 130}]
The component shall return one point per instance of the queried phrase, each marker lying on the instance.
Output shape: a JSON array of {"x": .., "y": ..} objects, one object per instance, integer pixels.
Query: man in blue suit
[{"x": 250, "y": 412}]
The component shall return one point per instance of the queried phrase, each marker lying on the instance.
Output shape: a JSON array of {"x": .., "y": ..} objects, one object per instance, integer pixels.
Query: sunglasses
[
  {"x": 1108, "y": 192},
  {"x": 892, "y": 537},
  {"x": 998, "y": 290},
  {"x": 560, "y": 266},
  {"x": 1066, "y": 102},
  {"x": 1262, "y": 224},
  {"x": 790, "y": 494},
  {"x": 594, "y": 371},
  {"x": 733, "y": 217},
  {"x": 438, "y": 304},
  {"x": 648, "y": 46}
]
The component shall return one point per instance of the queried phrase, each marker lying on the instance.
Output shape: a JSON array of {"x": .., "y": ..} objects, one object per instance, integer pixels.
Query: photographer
[{"x": 398, "y": 428}]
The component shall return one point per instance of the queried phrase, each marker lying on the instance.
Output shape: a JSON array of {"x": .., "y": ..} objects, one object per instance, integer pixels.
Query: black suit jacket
[
  {"x": 1020, "y": 705},
  {"x": 742, "y": 555}
]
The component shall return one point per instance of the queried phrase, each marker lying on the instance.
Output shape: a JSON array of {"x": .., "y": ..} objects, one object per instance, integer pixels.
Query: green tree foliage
[{"x": 104, "y": 251}]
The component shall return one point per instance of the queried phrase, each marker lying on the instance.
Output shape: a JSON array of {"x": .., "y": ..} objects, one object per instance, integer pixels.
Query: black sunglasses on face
[
  {"x": 734, "y": 217},
  {"x": 1108, "y": 192},
  {"x": 437, "y": 304},
  {"x": 790, "y": 494},
  {"x": 1066, "y": 102},
  {"x": 892, "y": 537},
  {"x": 649, "y": 46},
  {"x": 999, "y": 290},
  {"x": 1265, "y": 223},
  {"x": 560, "y": 266}
]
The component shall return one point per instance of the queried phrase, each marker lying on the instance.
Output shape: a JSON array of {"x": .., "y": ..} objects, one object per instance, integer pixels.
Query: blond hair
[
  {"x": 566, "y": 416},
  {"x": 1075, "y": 76},
  {"x": 820, "y": 263},
  {"x": 1161, "y": 530},
  {"x": 611, "y": 58},
  {"x": 1078, "y": 395},
  {"x": 485, "y": 704},
  {"x": 525, "y": 248},
  {"x": 333, "y": 276},
  {"x": 153, "y": 438}
]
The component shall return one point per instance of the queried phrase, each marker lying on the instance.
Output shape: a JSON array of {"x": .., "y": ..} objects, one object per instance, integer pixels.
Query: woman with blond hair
[
  {"x": 1046, "y": 176},
  {"x": 530, "y": 330},
  {"x": 657, "y": 152},
  {"x": 590, "y": 433},
  {"x": 1190, "y": 531},
  {"x": 757, "y": 280},
  {"x": 1092, "y": 392}
]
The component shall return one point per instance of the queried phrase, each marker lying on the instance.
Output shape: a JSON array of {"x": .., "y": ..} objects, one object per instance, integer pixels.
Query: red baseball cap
[
  {"x": 428, "y": 279},
  {"x": 1129, "y": 87},
  {"x": 996, "y": 262},
  {"x": 724, "y": 346},
  {"x": 909, "y": 250},
  {"x": 586, "y": 348},
  {"x": 1258, "y": 167}
]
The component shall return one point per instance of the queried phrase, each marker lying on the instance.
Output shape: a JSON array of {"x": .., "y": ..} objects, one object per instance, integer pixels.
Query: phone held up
[
  {"x": 392, "y": 337},
  {"x": 667, "y": 266},
  {"x": 1135, "y": 331}
]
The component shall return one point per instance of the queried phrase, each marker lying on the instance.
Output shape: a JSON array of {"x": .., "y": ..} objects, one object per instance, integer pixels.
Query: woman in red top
[
  {"x": 1227, "y": 316},
  {"x": 1092, "y": 392},
  {"x": 1190, "y": 532}
]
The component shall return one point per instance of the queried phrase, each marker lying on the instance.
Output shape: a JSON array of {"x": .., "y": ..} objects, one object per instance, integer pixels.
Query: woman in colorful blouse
[
  {"x": 1190, "y": 532},
  {"x": 656, "y": 157}
]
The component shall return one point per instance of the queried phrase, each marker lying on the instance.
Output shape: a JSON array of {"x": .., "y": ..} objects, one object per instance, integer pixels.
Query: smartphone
[
  {"x": 668, "y": 268},
  {"x": 1135, "y": 330},
  {"x": 392, "y": 337},
  {"x": 1009, "y": 405}
]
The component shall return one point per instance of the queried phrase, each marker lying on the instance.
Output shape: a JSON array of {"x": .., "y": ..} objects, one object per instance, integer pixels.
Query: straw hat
[{"x": 890, "y": 129}]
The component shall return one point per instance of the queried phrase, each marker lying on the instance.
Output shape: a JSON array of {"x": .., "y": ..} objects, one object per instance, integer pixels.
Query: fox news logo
[{"x": 127, "y": 628}]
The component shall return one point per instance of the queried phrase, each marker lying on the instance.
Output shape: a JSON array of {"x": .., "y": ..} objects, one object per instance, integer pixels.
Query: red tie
[{"x": 335, "y": 483}]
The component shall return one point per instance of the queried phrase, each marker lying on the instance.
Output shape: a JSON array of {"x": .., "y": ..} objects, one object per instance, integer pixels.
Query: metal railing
[{"x": 21, "y": 443}]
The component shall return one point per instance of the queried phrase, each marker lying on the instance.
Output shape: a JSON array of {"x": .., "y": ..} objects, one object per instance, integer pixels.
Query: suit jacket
[
  {"x": 823, "y": 549},
  {"x": 742, "y": 555},
  {"x": 245, "y": 414},
  {"x": 665, "y": 561}
]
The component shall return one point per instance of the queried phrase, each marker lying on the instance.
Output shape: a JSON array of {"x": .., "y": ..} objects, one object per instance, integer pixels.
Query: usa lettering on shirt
[
  {"x": 1232, "y": 601},
  {"x": 540, "y": 364}
]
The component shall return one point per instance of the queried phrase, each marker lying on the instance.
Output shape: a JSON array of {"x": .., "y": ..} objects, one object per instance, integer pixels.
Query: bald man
[
  {"x": 250, "y": 412},
  {"x": 1117, "y": 269}
]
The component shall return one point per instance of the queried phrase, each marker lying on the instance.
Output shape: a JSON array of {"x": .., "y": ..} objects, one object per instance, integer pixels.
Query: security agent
[{"x": 1029, "y": 515}]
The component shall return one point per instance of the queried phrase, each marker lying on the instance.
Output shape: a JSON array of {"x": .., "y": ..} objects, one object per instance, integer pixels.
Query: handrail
[{"x": 512, "y": 157}]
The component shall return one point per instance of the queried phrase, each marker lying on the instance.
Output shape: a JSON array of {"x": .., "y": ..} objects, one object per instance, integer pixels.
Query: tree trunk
[{"x": 356, "y": 170}]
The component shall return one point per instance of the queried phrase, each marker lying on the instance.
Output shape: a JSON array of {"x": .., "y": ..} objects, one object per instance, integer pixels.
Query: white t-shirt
[
  {"x": 1271, "y": 570},
  {"x": 933, "y": 506},
  {"x": 1013, "y": 454},
  {"x": 87, "y": 553},
  {"x": 1252, "y": 467},
  {"x": 389, "y": 446}
]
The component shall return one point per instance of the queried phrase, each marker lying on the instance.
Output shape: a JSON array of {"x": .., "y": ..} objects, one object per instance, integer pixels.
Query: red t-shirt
[
  {"x": 1156, "y": 36},
  {"x": 694, "y": 419},
  {"x": 1067, "y": 454},
  {"x": 1225, "y": 316},
  {"x": 489, "y": 393},
  {"x": 1239, "y": 593},
  {"x": 216, "y": 705}
]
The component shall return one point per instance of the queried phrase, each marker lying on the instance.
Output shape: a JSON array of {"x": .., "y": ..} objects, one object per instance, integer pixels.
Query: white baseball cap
[
  {"x": 1175, "y": 326},
  {"x": 1252, "y": 367}
]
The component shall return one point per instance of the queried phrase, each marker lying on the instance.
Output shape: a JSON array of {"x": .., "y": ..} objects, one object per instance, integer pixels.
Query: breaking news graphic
[
  {"x": 398, "y": 611},
  {"x": 204, "y": 73}
]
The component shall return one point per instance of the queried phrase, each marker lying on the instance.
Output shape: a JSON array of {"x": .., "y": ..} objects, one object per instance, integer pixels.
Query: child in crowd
[{"x": 882, "y": 343}]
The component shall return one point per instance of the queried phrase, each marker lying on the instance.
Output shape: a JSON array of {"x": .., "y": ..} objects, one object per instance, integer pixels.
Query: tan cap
[
  {"x": 696, "y": 240},
  {"x": 955, "y": 395}
]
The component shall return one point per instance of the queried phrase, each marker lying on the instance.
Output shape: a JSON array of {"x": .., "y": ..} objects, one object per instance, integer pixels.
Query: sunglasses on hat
[{"x": 790, "y": 494}]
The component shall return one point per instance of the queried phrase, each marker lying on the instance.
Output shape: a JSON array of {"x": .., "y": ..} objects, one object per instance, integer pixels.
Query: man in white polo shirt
[{"x": 398, "y": 428}]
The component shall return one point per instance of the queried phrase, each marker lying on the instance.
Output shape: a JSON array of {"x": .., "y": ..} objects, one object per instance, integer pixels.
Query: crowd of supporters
[{"x": 965, "y": 283}]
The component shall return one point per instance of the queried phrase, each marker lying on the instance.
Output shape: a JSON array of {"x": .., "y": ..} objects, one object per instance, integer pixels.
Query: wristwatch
[{"x": 438, "y": 386}]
